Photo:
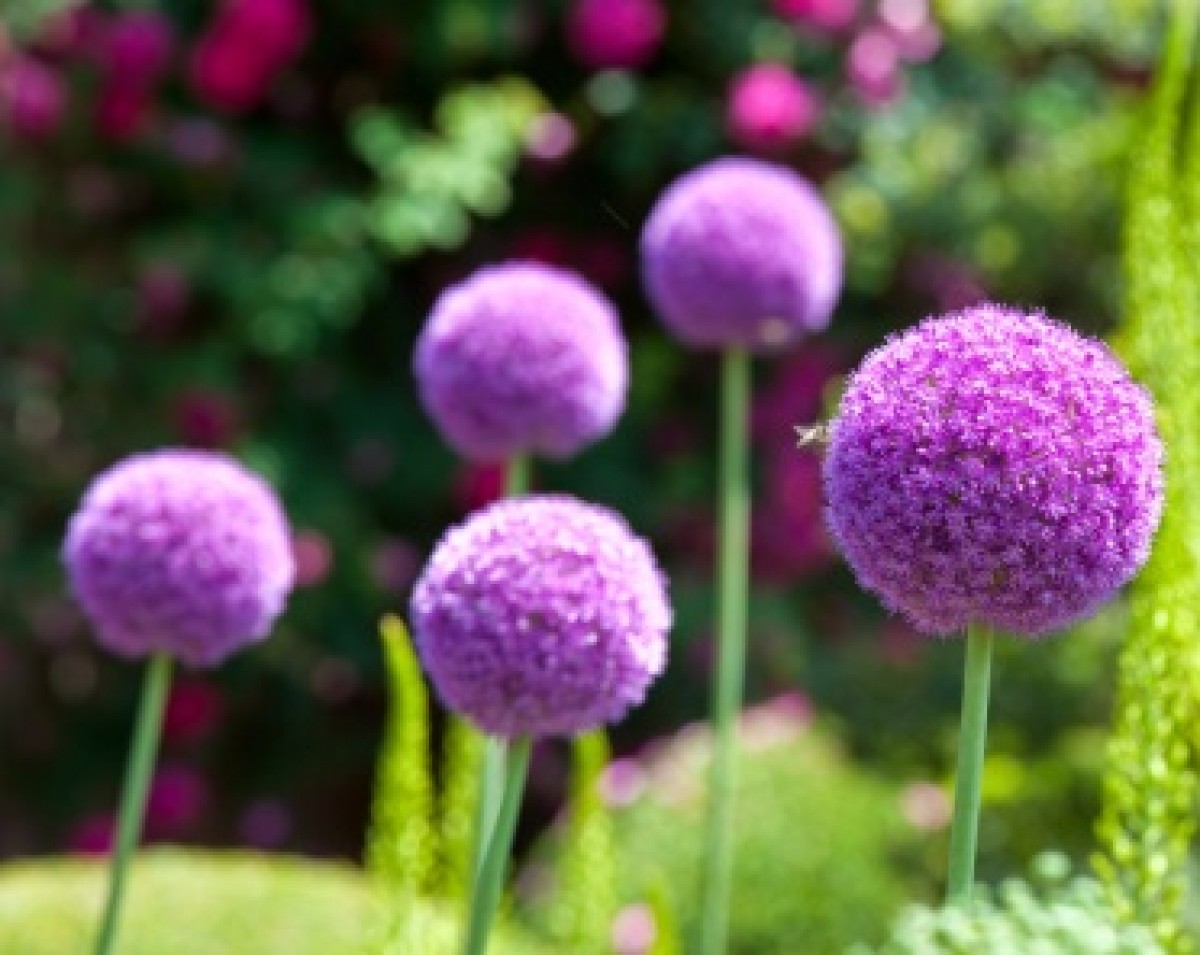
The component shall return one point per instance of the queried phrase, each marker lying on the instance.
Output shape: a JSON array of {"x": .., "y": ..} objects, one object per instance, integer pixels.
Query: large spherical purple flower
[
  {"x": 185, "y": 552},
  {"x": 542, "y": 616},
  {"x": 522, "y": 358},
  {"x": 742, "y": 253},
  {"x": 993, "y": 466}
]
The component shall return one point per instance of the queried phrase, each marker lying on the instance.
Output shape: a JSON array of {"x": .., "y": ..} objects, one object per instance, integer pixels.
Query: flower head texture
[
  {"x": 542, "y": 616},
  {"x": 742, "y": 253},
  {"x": 522, "y": 358},
  {"x": 993, "y": 466},
  {"x": 185, "y": 552}
]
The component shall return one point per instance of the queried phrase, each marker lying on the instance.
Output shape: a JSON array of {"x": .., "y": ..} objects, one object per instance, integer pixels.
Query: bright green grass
[{"x": 227, "y": 903}]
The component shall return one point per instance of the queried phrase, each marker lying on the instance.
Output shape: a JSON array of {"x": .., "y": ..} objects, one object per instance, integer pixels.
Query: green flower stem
[
  {"x": 486, "y": 892},
  {"x": 972, "y": 743},
  {"x": 518, "y": 476},
  {"x": 732, "y": 591},
  {"x": 517, "y": 480},
  {"x": 133, "y": 797}
]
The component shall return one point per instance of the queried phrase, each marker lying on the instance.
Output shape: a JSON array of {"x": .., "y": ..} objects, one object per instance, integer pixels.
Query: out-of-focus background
[{"x": 222, "y": 224}]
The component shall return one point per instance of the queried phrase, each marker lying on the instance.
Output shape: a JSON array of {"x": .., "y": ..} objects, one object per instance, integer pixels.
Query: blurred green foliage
[
  {"x": 821, "y": 846},
  {"x": 1150, "y": 788},
  {"x": 189, "y": 903},
  {"x": 1052, "y": 914}
]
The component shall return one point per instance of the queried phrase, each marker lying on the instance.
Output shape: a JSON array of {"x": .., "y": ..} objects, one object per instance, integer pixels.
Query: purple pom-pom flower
[
  {"x": 542, "y": 616},
  {"x": 522, "y": 358},
  {"x": 994, "y": 467},
  {"x": 742, "y": 253},
  {"x": 182, "y": 552}
]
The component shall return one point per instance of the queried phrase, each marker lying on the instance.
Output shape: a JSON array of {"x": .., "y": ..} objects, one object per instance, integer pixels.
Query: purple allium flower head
[
  {"x": 742, "y": 253},
  {"x": 993, "y": 466},
  {"x": 185, "y": 552},
  {"x": 542, "y": 616},
  {"x": 522, "y": 358}
]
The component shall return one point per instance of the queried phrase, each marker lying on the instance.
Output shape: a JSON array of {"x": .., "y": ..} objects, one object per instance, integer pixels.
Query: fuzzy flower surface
[
  {"x": 185, "y": 552},
  {"x": 994, "y": 466},
  {"x": 743, "y": 253},
  {"x": 522, "y": 358},
  {"x": 542, "y": 616}
]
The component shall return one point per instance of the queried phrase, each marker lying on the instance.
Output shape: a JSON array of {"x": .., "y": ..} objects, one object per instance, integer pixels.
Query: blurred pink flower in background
[
  {"x": 551, "y": 138},
  {"x": 123, "y": 110},
  {"x": 478, "y": 485},
  {"x": 33, "y": 99},
  {"x": 93, "y": 835},
  {"x": 265, "y": 824},
  {"x": 615, "y": 34},
  {"x": 163, "y": 294},
  {"x": 137, "y": 47},
  {"x": 794, "y": 396},
  {"x": 176, "y": 803},
  {"x": 833, "y": 15},
  {"x": 770, "y": 108},
  {"x": 235, "y": 62},
  {"x": 926, "y": 806},
  {"x": 193, "y": 711},
  {"x": 205, "y": 418},
  {"x": 789, "y": 537},
  {"x": 873, "y": 67},
  {"x": 622, "y": 782},
  {"x": 394, "y": 565},
  {"x": 912, "y": 26},
  {"x": 634, "y": 930},
  {"x": 313, "y": 555},
  {"x": 950, "y": 283}
]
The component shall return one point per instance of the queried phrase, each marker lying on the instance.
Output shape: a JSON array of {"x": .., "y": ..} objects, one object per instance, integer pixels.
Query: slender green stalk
[
  {"x": 517, "y": 480},
  {"x": 518, "y": 476},
  {"x": 972, "y": 743},
  {"x": 485, "y": 894},
  {"x": 732, "y": 591},
  {"x": 133, "y": 797}
]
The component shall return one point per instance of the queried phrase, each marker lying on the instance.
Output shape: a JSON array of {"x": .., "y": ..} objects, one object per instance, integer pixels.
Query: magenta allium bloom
[
  {"x": 615, "y": 34},
  {"x": 185, "y": 552},
  {"x": 542, "y": 616},
  {"x": 33, "y": 99},
  {"x": 770, "y": 108},
  {"x": 995, "y": 467},
  {"x": 742, "y": 253},
  {"x": 522, "y": 358}
]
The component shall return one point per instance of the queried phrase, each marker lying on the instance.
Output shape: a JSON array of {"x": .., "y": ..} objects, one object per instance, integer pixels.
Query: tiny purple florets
[
  {"x": 185, "y": 552},
  {"x": 742, "y": 253},
  {"x": 542, "y": 616},
  {"x": 522, "y": 358},
  {"x": 994, "y": 466}
]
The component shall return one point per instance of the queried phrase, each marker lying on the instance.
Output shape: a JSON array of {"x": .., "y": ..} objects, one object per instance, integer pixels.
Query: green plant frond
[
  {"x": 1150, "y": 787},
  {"x": 462, "y": 751},
  {"x": 401, "y": 844},
  {"x": 586, "y": 901}
]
